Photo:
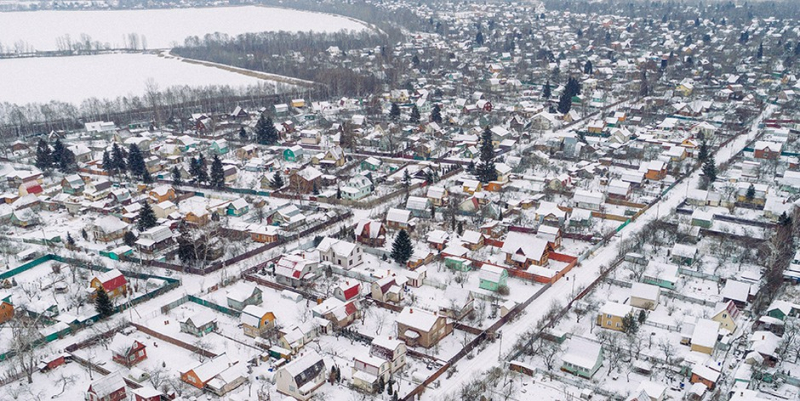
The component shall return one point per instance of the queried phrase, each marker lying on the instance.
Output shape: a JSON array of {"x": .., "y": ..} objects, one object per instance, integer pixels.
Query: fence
[
  {"x": 704, "y": 276},
  {"x": 216, "y": 307},
  {"x": 174, "y": 341}
]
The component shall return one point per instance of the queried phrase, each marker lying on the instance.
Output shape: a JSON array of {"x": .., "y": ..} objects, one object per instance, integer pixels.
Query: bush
[{"x": 503, "y": 290}]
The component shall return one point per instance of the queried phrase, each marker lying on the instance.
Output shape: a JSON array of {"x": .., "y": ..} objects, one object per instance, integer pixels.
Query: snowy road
[{"x": 583, "y": 275}]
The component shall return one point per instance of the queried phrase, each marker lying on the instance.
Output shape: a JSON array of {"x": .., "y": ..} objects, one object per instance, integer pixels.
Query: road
[{"x": 469, "y": 369}]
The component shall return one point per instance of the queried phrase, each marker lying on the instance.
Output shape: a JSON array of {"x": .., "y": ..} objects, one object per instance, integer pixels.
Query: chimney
[{"x": 410, "y": 311}]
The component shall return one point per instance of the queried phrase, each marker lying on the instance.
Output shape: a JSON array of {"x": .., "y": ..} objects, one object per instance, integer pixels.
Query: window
[
  {"x": 608, "y": 316},
  {"x": 609, "y": 323},
  {"x": 724, "y": 315},
  {"x": 338, "y": 261},
  {"x": 292, "y": 389}
]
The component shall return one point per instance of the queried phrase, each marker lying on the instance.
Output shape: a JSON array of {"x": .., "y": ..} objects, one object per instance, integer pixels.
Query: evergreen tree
[
  {"x": 642, "y": 316},
  {"x": 118, "y": 160},
  {"x": 202, "y": 169},
  {"x": 415, "y": 60},
  {"x": 436, "y": 114},
  {"x": 486, "y": 168},
  {"x": 194, "y": 169},
  {"x": 644, "y": 87},
  {"x": 547, "y": 91},
  {"x": 394, "y": 112},
  {"x": 266, "y": 134},
  {"x": 381, "y": 385},
  {"x": 414, "y": 118},
  {"x": 129, "y": 238},
  {"x": 58, "y": 150},
  {"x": 564, "y": 103},
  {"x": 402, "y": 248},
  {"x": 277, "y": 181},
  {"x": 588, "y": 68},
  {"x": 147, "y": 218},
  {"x": 70, "y": 240},
  {"x": 44, "y": 160},
  {"x": 242, "y": 134},
  {"x": 760, "y": 53},
  {"x": 187, "y": 253},
  {"x": 479, "y": 38},
  {"x": 709, "y": 170},
  {"x": 67, "y": 163},
  {"x": 108, "y": 164},
  {"x": 136, "y": 161},
  {"x": 177, "y": 180},
  {"x": 217, "y": 173},
  {"x": 102, "y": 303},
  {"x": 702, "y": 153},
  {"x": 751, "y": 193},
  {"x": 315, "y": 189},
  {"x": 146, "y": 177}
]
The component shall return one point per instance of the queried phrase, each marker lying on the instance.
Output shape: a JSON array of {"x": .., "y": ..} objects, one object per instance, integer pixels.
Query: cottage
[
  {"x": 347, "y": 290},
  {"x": 725, "y": 314},
  {"x": 256, "y": 320},
  {"x": 247, "y": 152},
  {"x": 368, "y": 371},
  {"x": 108, "y": 228},
  {"x": 704, "y": 337},
  {"x": 243, "y": 296},
  {"x": 162, "y": 193},
  {"x": 683, "y": 254},
  {"x": 702, "y": 218},
  {"x": 112, "y": 282},
  {"x": 264, "y": 234},
  {"x": 583, "y": 358},
  {"x": 399, "y": 219},
  {"x": 705, "y": 375},
  {"x": 293, "y": 154},
  {"x": 767, "y": 150},
  {"x": 611, "y": 315},
  {"x": 661, "y": 274},
  {"x": 72, "y": 184},
  {"x": 6, "y": 308},
  {"x": 165, "y": 209},
  {"x": 358, "y": 187},
  {"x": 492, "y": 277},
  {"x": 524, "y": 250},
  {"x": 437, "y": 195},
  {"x": 341, "y": 253},
  {"x": 154, "y": 239},
  {"x": 306, "y": 180},
  {"x": 127, "y": 351},
  {"x": 370, "y": 233},
  {"x": 391, "y": 350},
  {"x": 388, "y": 289},
  {"x": 472, "y": 240},
  {"x": 588, "y": 199},
  {"x": 419, "y": 327},
  {"x": 219, "y": 375},
  {"x": 736, "y": 291},
  {"x": 550, "y": 234},
  {"x": 419, "y": 206},
  {"x": 107, "y": 388},
  {"x": 295, "y": 270},
  {"x": 300, "y": 377},
  {"x": 199, "y": 324},
  {"x": 644, "y": 296}
]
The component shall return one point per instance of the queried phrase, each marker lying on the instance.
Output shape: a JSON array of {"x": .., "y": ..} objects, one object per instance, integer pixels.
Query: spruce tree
[
  {"x": 147, "y": 218},
  {"x": 266, "y": 134},
  {"x": 67, "y": 163},
  {"x": 70, "y": 240},
  {"x": 414, "y": 118},
  {"x": 751, "y": 193},
  {"x": 202, "y": 169},
  {"x": 564, "y": 103},
  {"x": 136, "y": 161},
  {"x": 118, "y": 160},
  {"x": 108, "y": 165},
  {"x": 242, "y": 134},
  {"x": 486, "y": 168},
  {"x": 479, "y": 38},
  {"x": 146, "y": 177},
  {"x": 102, "y": 303},
  {"x": 760, "y": 53},
  {"x": 129, "y": 238},
  {"x": 709, "y": 170},
  {"x": 436, "y": 114},
  {"x": 547, "y": 91},
  {"x": 177, "y": 180},
  {"x": 277, "y": 181},
  {"x": 394, "y": 112},
  {"x": 44, "y": 160},
  {"x": 588, "y": 69},
  {"x": 194, "y": 170},
  {"x": 58, "y": 150},
  {"x": 702, "y": 153},
  {"x": 402, "y": 248},
  {"x": 217, "y": 173}
]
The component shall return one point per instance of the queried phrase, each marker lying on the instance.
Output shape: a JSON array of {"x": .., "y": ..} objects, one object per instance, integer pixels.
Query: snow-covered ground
[
  {"x": 41, "y": 80},
  {"x": 157, "y": 29}
]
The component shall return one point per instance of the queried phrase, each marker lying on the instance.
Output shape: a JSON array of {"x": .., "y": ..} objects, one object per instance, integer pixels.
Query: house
[
  {"x": 388, "y": 289},
  {"x": 340, "y": 314},
  {"x": 107, "y": 388},
  {"x": 583, "y": 358},
  {"x": 611, "y": 315},
  {"x": 164, "y": 209},
  {"x": 418, "y": 327},
  {"x": 550, "y": 234},
  {"x": 472, "y": 240},
  {"x": 237, "y": 208},
  {"x": 300, "y": 377},
  {"x": 370, "y": 233},
  {"x": 148, "y": 393},
  {"x": 218, "y": 375},
  {"x": 333, "y": 157},
  {"x": 306, "y": 180},
  {"x": 264, "y": 234},
  {"x": 644, "y": 296},
  {"x": 767, "y": 150},
  {"x": 96, "y": 190},
  {"x": 229, "y": 174},
  {"x": 437, "y": 195},
  {"x": 736, "y": 291},
  {"x": 219, "y": 147},
  {"x": 72, "y": 184},
  {"x": 293, "y": 154},
  {"x": 725, "y": 314},
  {"x": 618, "y": 189},
  {"x": 154, "y": 239},
  {"x": 256, "y": 320},
  {"x": 683, "y": 254},
  {"x": 357, "y": 188},
  {"x": 471, "y": 186},
  {"x": 247, "y": 152},
  {"x": 391, "y": 350},
  {"x": 661, "y": 274},
  {"x": 437, "y": 239},
  {"x": 341, "y": 253},
  {"x": 295, "y": 337},
  {"x": 654, "y": 170},
  {"x": 368, "y": 371},
  {"x": 782, "y": 309},
  {"x": 705, "y": 375},
  {"x": 588, "y": 199},
  {"x": 24, "y": 218},
  {"x": 370, "y": 164},
  {"x": 295, "y": 270},
  {"x": 399, "y": 219},
  {"x": 112, "y": 281},
  {"x": 704, "y": 337},
  {"x": 108, "y": 228},
  {"x": 243, "y": 296},
  {"x": 6, "y": 308},
  {"x": 347, "y": 290},
  {"x": 492, "y": 277},
  {"x": 702, "y": 218},
  {"x": 524, "y": 250},
  {"x": 127, "y": 351},
  {"x": 162, "y": 193},
  {"x": 310, "y": 137},
  {"x": 199, "y": 324}
]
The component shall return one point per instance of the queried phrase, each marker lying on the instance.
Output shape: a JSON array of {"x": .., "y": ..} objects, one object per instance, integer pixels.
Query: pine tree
[
  {"x": 564, "y": 103},
  {"x": 202, "y": 169},
  {"x": 547, "y": 91},
  {"x": 58, "y": 150},
  {"x": 44, "y": 160},
  {"x": 118, "y": 160},
  {"x": 644, "y": 87},
  {"x": 177, "y": 180},
  {"x": 102, "y": 303},
  {"x": 709, "y": 170},
  {"x": 129, "y": 238},
  {"x": 760, "y": 53},
  {"x": 67, "y": 163},
  {"x": 381, "y": 385},
  {"x": 394, "y": 112},
  {"x": 187, "y": 253},
  {"x": 277, "y": 181},
  {"x": 266, "y": 134},
  {"x": 194, "y": 169},
  {"x": 70, "y": 240},
  {"x": 242, "y": 134},
  {"x": 479, "y": 38},
  {"x": 642, "y": 316},
  {"x": 146, "y": 177},
  {"x": 751, "y": 193},
  {"x": 108, "y": 164},
  {"x": 147, "y": 218},
  {"x": 486, "y": 168},
  {"x": 402, "y": 248},
  {"x": 436, "y": 114},
  {"x": 588, "y": 68},
  {"x": 414, "y": 118},
  {"x": 702, "y": 153},
  {"x": 136, "y": 161},
  {"x": 217, "y": 173}
]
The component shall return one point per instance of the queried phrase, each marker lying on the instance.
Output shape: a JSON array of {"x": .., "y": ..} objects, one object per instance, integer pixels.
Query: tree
[
  {"x": 199, "y": 170},
  {"x": 118, "y": 159},
  {"x": 644, "y": 87},
  {"x": 266, "y": 134},
  {"x": 414, "y": 118},
  {"x": 108, "y": 164},
  {"x": 702, "y": 154},
  {"x": 146, "y": 177},
  {"x": 629, "y": 324},
  {"x": 547, "y": 91},
  {"x": 479, "y": 38},
  {"x": 588, "y": 68},
  {"x": 44, "y": 160},
  {"x": 102, "y": 303},
  {"x": 136, "y": 161},
  {"x": 709, "y": 170},
  {"x": 177, "y": 180},
  {"x": 486, "y": 169},
  {"x": 25, "y": 336},
  {"x": 277, "y": 181},
  {"x": 147, "y": 218},
  {"x": 394, "y": 112},
  {"x": 760, "y": 53},
  {"x": 67, "y": 163},
  {"x": 436, "y": 114},
  {"x": 129, "y": 238},
  {"x": 564, "y": 103},
  {"x": 751, "y": 193},
  {"x": 58, "y": 150},
  {"x": 242, "y": 134},
  {"x": 70, "y": 241},
  {"x": 217, "y": 173},
  {"x": 642, "y": 317},
  {"x": 402, "y": 248}
]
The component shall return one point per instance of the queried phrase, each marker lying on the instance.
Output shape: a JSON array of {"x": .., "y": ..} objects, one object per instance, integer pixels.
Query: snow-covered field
[
  {"x": 157, "y": 28},
  {"x": 73, "y": 79}
]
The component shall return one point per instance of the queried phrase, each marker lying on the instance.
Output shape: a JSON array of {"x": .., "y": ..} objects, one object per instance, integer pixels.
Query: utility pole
[{"x": 500, "y": 350}]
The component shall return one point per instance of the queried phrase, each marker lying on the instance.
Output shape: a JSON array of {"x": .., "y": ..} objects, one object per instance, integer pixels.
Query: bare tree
[{"x": 25, "y": 343}]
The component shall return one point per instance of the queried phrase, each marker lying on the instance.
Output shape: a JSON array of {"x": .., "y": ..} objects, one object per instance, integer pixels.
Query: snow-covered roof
[
  {"x": 645, "y": 291},
  {"x": 417, "y": 318},
  {"x": 582, "y": 352},
  {"x": 528, "y": 245},
  {"x": 705, "y": 333},
  {"x": 615, "y": 309}
]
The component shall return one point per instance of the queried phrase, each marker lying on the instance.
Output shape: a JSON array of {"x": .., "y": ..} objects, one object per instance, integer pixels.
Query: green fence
[
  {"x": 27, "y": 266},
  {"x": 218, "y": 308}
]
